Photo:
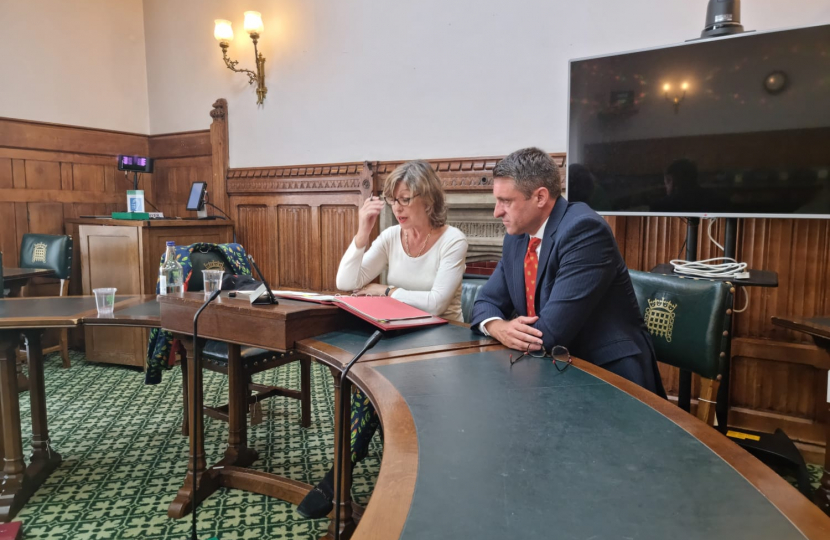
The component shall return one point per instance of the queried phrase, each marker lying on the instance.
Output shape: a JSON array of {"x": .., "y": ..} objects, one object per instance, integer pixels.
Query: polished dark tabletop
[
  {"x": 62, "y": 311},
  {"x": 529, "y": 452},
  {"x": 25, "y": 273},
  {"x": 352, "y": 339}
]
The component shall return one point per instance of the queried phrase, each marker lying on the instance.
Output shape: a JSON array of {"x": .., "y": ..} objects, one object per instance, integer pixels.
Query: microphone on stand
[
  {"x": 338, "y": 479},
  {"x": 197, "y": 357}
]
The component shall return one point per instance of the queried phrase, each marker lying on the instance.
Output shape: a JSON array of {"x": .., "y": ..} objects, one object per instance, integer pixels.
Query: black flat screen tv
[{"x": 736, "y": 126}]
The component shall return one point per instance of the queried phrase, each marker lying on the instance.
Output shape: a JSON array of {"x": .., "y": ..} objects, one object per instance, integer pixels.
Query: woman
[{"x": 424, "y": 258}]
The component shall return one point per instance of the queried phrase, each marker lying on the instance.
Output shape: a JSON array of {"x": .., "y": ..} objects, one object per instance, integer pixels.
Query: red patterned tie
[{"x": 531, "y": 267}]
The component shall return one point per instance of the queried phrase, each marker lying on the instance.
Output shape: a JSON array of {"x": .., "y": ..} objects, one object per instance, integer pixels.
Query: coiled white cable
[
  {"x": 730, "y": 268},
  {"x": 708, "y": 269}
]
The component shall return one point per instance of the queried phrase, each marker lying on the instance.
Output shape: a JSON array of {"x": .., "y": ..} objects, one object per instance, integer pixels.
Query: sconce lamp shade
[
  {"x": 223, "y": 30},
  {"x": 253, "y": 22}
]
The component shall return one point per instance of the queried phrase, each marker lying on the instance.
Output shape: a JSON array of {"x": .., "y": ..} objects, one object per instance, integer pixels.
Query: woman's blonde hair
[{"x": 421, "y": 179}]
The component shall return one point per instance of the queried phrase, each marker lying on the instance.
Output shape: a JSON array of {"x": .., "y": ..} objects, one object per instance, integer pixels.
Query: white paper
[{"x": 309, "y": 295}]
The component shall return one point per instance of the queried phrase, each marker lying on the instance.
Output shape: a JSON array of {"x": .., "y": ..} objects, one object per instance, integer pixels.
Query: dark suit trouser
[{"x": 630, "y": 368}]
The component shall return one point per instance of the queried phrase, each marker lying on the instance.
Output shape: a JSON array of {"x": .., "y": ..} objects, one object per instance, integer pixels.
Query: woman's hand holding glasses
[{"x": 367, "y": 216}]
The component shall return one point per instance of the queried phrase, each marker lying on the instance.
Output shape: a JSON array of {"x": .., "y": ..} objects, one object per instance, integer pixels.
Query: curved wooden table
[
  {"x": 276, "y": 328},
  {"x": 17, "y": 278},
  {"x": 30, "y": 317},
  {"x": 473, "y": 447},
  {"x": 819, "y": 329}
]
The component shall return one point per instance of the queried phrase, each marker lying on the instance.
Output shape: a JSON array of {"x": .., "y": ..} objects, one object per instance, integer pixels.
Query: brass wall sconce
[
  {"x": 676, "y": 100},
  {"x": 223, "y": 32}
]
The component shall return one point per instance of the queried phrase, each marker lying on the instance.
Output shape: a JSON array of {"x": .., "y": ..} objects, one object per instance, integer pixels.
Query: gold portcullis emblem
[
  {"x": 39, "y": 253},
  {"x": 659, "y": 317}
]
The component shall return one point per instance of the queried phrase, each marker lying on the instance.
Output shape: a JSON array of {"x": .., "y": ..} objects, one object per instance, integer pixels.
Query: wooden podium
[{"x": 125, "y": 255}]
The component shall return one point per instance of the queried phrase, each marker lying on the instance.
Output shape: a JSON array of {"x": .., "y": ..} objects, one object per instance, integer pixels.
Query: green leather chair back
[
  {"x": 211, "y": 260},
  {"x": 50, "y": 251},
  {"x": 2, "y": 294},
  {"x": 470, "y": 285},
  {"x": 689, "y": 320}
]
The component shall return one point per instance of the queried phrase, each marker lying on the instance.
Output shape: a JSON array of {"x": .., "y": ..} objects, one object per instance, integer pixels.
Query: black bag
[{"x": 233, "y": 282}]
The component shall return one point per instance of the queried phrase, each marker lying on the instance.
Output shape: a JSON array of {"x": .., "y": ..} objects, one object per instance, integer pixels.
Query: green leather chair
[
  {"x": 690, "y": 323},
  {"x": 470, "y": 286},
  {"x": 255, "y": 360},
  {"x": 53, "y": 252},
  {"x": 2, "y": 284}
]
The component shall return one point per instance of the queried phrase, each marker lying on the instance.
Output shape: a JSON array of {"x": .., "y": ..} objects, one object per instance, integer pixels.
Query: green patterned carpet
[{"x": 124, "y": 457}]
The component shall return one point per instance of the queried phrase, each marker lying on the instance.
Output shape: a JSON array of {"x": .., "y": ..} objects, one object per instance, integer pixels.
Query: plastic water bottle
[{"x": 171, "y": 276}]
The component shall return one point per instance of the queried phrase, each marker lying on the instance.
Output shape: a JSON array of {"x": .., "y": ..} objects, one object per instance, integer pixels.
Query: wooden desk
[
  {"x": 30, "y": 317},
  {"x": 527, "y": 452},
  {"x": 819, "y": 328},
  {"x": 125, "y": 255},
  {"x": 325, "y": 332},
  {"x": 237, "y": 322},
  {"x": 17, "y": 278}
]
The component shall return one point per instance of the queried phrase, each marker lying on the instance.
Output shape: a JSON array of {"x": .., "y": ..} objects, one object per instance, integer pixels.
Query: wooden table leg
[
  {"x": 305, "y": 391},
  {"x": 20, "y": 482},
  {"x": 208, "y": 480},
  {"x": 44, "y": 459},
  {"x": 205, "y": 481},
  {"x": 185, "y": 378},
  {"x": 13, "y": 467},
  {"x": 342, "y": 461},
  {"x": 237, "y": 453}
]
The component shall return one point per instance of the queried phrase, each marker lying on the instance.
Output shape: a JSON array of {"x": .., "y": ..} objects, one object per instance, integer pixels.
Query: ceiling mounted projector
[{"x": 723, "y": 17}]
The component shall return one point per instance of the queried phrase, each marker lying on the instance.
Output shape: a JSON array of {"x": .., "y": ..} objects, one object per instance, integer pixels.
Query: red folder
[
  {"x": 11, "y": 531},
  {"x": 386, "y": 313}
]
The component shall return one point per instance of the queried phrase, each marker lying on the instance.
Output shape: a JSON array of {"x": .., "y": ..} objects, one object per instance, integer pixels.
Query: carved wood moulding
[
  {"x": 327, "y": 177},
  {"x": 458, "y": 174}
]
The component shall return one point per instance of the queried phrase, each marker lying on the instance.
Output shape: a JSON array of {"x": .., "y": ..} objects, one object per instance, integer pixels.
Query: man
[
  {"x": 684, "y": 194},
  {"x": 563, "y": 276}
]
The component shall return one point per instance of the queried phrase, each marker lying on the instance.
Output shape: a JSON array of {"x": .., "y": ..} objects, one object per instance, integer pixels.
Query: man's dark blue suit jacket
[{"x": 584, "y": 297}]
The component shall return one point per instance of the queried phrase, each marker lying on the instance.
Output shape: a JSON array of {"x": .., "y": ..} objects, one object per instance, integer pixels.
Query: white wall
[
  {"x": 373, "y": 79},
  {"x": 79, "y": 62}
]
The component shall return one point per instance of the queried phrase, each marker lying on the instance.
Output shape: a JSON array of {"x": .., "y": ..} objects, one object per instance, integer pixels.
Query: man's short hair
[{"x": 530, "y": 169}]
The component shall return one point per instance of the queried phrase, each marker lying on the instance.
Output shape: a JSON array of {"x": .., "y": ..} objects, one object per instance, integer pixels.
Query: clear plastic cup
[
  {"x": 104, "y": 300},
  {"x": 212, "y": 280}
]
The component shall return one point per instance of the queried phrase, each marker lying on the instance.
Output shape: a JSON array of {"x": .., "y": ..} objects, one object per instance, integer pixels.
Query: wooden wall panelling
[
  {"x": 338, "y": 224},
  {"x": 291, "y": 235},
  {"x": 180, "y": 160},
  {"x": 8, "y": 237},
  {"x": 6, "y": 181},
  {"x": 50, "y": 172},
  {"x": 777, "y": 377},
  {"x": 256, "y": 226},
  {"x": 284, "y": 218},
  {"x": 220, "y": 158},
  {"x": 296, "y": 247},
  {"x": 26, "y": 134}
]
